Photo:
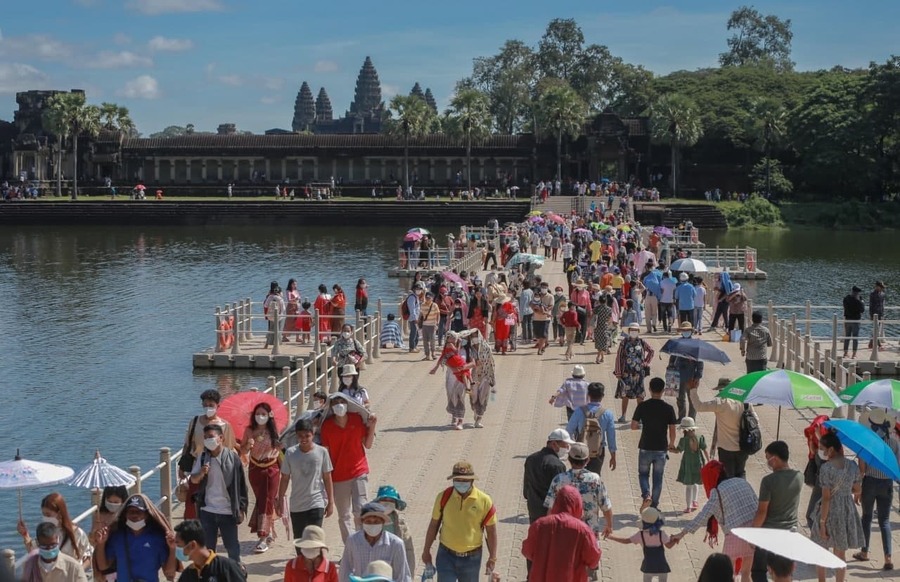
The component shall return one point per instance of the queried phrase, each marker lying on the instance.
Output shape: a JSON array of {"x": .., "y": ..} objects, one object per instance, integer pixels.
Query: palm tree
[
  {"x": 85, "y": 121},
  {"x": 765, "y": 124},
  {"x": 70, "y": 115},
  {"x": 410, "y": 115},
  {"x": 560, "y": 111},
  {"x": 675, "y": 120},
  {"x": 470, "y": 112},
  {"x": 55, "y": 123}
]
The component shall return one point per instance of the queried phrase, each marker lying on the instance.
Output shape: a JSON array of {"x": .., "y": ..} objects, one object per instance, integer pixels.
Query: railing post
[
  {"x": 828, "y": 366},
  {"x": 136, "y": 473},
  {"x": 286, "y": 390},
  {"x": 834, "y": 334},
  {"x": 377, "y": 331},
  {"x": 839, "y": 370},
  {"x": 315, "y": 329},
  {"x": 165, "y": 482},
  {"x": 808, "y": 316},
  {"x": 817, "y": 361},
  {"x": 358, "y": 331},
  {"x": 335, "y": 380},
  {"x": 270, "y": 385},
  {"x": 276, "y": 341},
  {"x": 851, "y": 379},
  {"x": 218, "y": 320},
  {"x": 236, "y": 330},
  {"x": 770, "y": 308},
  {"x": 806, "y": 362},
  {"x": 8, "y": 563},
  {"x": 876, "y": 324},
  {"x": 314, "y": 369},
  {"x": 304, "y": 382},
  {"x": 776, "y": 338},
  {"x": 248, "y": 319}
]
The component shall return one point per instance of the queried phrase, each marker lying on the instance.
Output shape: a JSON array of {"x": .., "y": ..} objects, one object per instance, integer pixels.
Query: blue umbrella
[
  {"x": 867, "y": 445},
  {"x": 694, "y": 349}
]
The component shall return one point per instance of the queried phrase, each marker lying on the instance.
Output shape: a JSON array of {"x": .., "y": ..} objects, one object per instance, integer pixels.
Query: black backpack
[{"x": 750, "y": 436}]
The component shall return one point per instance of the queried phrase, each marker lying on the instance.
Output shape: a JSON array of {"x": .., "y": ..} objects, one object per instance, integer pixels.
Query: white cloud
[
  {"x": 119, "y": 60},
  {"x": 231, "y": 80},
  {"x": 388, "y": 91},
  {"x": 325, "y": 66},
  {"x": 269, "y": 100},
  {"x": 163, "y": 44},
  {"x": 20, "y": 77},
  {"x": 273, "y": 83},
  {"x": 40, "y": 46},
  {"x": 154, "y": 7},
  {"x": 120, "y": 38},
  {"x": 143, "y": 87}
]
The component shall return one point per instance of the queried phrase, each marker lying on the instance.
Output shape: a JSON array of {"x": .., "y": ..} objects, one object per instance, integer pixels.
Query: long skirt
[
  {"x": 264, "y": 482},
  {"x": 456, "y": 394},
  {"x": 481, "y": 393}
]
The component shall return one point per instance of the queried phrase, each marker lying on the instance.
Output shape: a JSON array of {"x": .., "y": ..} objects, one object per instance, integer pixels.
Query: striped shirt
[
  {"x": 876, "y": 473},
  {"x": 572, "y": 393},
  {"x": 390, "y": 333},
  {"x": 359, "y": 553},
  {"x": 737, "y": 509}
]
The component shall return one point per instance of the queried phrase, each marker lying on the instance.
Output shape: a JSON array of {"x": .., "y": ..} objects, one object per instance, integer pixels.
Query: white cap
[{"x": 562, "y": 435}]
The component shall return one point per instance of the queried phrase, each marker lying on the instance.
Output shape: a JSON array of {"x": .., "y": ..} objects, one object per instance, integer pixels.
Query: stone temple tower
[
  {"x": 367, "y": 107},
  {"x": 323, "y": 107},
  {"x": 304, "y": 109}
]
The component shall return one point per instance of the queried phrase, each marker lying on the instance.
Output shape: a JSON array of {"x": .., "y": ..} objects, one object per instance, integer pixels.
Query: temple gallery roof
[{"x": 191, "y": 143}]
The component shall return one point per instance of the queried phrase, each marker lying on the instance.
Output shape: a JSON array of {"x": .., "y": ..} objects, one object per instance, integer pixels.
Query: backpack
[
  {"x": 750, "y": 437},
  {"x": 592, "y": 435},
  {"x": 404, "y": 308}
]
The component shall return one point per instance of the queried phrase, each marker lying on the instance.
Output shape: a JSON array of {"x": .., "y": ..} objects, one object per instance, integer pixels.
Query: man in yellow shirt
[
  {"x": 596, "y": 248},
  {"x": 464, "y": 515}
]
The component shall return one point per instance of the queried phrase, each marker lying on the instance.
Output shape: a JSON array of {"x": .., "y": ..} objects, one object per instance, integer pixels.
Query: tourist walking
[
  {"x": 853, "y": 311},
  {"x": 346, "y": 349},
  {"x": 205, "y": 564},
  {"x": 667, "y": 286},
  {"x": 312, "y": 563},
  {"x": 651, "y": 280},
  {"x": 466, "y": 517},
  {"x": 262, "y": 448},
  {"x": 361, "y": 299},
  {"x": 737, "y": 306},
  {"x": 572, "y": 393},
  {"x": 350, "y": 385},
  {"x": 560, "y": 546},
  {"x": 689, "y": 371},
  {"x": 595, "y": 426},
  {"x": 322, "y": 305},
  {"x": 222, "y": 498},
  {"x": 479, "y": 312},
  {"x": 589, "y": 484},
  {"x": 632, "y": 366},
  {"x": 603, "y": 313},
  {"x": 309, "y": 467},
  {"x": 49, "y": 564},
  {"x": 876, "y": 307},
  {"x": 656, "y": 420},
  {"x": 728, "y": 429},
  {"x": 571, "y": 324},
  {"x": 72, "y": 540},
  {"x": 373, "y": 543},
  {"x": 540, "y": 469},
  {"x": 347, "y": 437},
  {"x": 139, "y": 525},
  {"x": 388, "y": 497},
  {"x": 483, "y": 375},
  {"x": 654, "y": 542},
  {"x": 338, "y": 307},
  {"x": 582, "y": 300},
  {"x": 685, "y": 299},
  {"x": 754, "y": 342},
  {"x": 292, "y": 302},
  {"x": 837, "y": 525},
  {"x": 693, "y": 456},
  {"x": 457, "y": 378},
  {"x": 542, "y": 305},
  {"x": 504, "y": 322},
  {"x": 429, "y": 317},
  {"x": 275, "y": 312}
]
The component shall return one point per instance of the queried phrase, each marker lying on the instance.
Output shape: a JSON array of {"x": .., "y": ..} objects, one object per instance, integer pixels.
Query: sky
[{"x": 206, "y": 62}]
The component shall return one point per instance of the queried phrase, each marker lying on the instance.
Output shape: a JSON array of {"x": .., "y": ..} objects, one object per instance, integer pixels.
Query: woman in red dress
[
  {"x": 323, "y": 306},
  {"x": 338, "y": 308},
  {"x": 292, "y": 298},
  {"x": 504, "y": 319},
  {"x": 479, "y": 310}
]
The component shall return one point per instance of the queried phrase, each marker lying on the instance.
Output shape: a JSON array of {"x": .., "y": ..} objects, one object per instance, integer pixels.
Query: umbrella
[
  {"x": 695, "y": 349},
  {"x": 604, "y": 180},
  {"x": 99, "y": 474},
  {"x": 884, "y": 393},
  {"x": 624, "y": 228},
  {"x": 781, "y": 388},
  {"x": 238, "y": 408},
  {"x": 536, "y": 219},
  {"x": 662, "y": 231},
  {"x": 596, "y": 225},
  {"x": 605, "y": 227},
  {"x": 582, "y": 231},
  {"x": 689, "y": 266},
  {"x": 520, "y": 258},
  {"x": 556, "y": 218},
  {"x": 412, "y": 237},
  {"x": 24, "y": 474},
  {"x": 420, "y": 231},
  {"x": 352, "y": 406},
  {"x": 867, "y": 445},
  {"x": 140, "y": 187},
  {"x": 535, "y": 213},
  {"x": 790, "y": 544},
  {"x": 451, "y": 276}
]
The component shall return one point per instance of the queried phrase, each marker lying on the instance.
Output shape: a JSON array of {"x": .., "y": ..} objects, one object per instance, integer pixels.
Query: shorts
[{"x": 539, "y": 329}]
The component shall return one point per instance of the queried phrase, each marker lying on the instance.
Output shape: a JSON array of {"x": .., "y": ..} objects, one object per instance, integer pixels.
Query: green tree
[
  {"x": 758, "y": 39},
  {"x": 766, "y": 124},
  {"x": 54, "y": 121},
  {"x": 469, "y": 109},
  {"x": 675, "y": 120},
  {"x": 768, "y": 176},
  {"x": 883, "y": 92},
  {"x": 116, "y": 118},
  {"x": 507, "y": 78},
  {"x": 631, "y": 89},
  {"x": 559, "y": 50},
  {"x": 409, "y": 116},
  {"x": 71, "y": 112},
  {"x": 560, "y": 111}
]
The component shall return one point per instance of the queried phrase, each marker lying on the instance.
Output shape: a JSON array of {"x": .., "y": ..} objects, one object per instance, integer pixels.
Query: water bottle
[
  {"x": 493, "y": 396},
  {"x": 429, "y": 572}
]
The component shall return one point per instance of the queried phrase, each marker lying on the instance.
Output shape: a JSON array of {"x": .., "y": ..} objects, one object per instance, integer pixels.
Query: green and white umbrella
[
  {"x": 781, "y": 388},
  {"x": 883, "y": 393}
]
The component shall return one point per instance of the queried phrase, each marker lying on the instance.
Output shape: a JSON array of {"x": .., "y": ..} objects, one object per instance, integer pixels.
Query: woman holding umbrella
[{"x": 836, "y": 523}]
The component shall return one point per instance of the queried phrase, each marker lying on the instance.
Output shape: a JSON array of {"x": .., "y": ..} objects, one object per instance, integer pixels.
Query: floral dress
[
  {"x": 603, "y": 313},
  {"x": 632, "y": 361},
  {"x": 844, "y": 526}
]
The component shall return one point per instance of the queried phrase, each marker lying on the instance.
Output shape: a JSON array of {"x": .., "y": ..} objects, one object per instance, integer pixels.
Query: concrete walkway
[{"x": 415, "y": 449}]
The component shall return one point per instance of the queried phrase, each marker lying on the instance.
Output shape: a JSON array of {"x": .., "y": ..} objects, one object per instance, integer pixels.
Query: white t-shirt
[
  {"x": 307, "y": 472},
  {"x": 567, "y": 249}
]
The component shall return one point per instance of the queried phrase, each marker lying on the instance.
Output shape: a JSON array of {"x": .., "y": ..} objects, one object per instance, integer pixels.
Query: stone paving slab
[{"x": 415, "y": 449}]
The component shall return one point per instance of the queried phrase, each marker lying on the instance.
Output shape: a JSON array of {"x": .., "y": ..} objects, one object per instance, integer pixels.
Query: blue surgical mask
[
  {"x": 49, "y": 555},
  {"x": 180, "y": 555},
  {"x": 462, "y": 487}
]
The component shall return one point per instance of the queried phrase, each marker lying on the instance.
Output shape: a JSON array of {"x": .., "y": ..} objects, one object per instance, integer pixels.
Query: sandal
[
  {"x": 861, "y": 557},
  {"x": 888, "y": 566}
]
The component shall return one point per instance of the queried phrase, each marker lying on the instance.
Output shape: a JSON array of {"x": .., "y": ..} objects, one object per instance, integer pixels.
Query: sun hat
[
  {"x": 377, "y": 571},
  {"x": 578, "y": 371},
  {"x": 579, "y": 282},
  {"x": 687, "y": 423},
  {"x": 595, "y": 287},
  {"x": 685, "y": 326},
  {"x": 389, "y": 492},
  {"x": 579, "y": 452},
  {"x": 877, "y": 416},
  {"x": 313, "y": 537},
  {"x": 373, "y": 508},
  {"x": 463, "y": 471},
  {"x": 560, "y": 435},
  {"x": 650, "y": 515},
  {"x": 634, "y": 327},
  {"x": 349, "y": 370},
  {"x": 683, "y": 276}
]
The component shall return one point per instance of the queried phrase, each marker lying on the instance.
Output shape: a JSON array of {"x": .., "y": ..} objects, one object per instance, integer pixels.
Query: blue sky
[{"x": 206, "y": 62}]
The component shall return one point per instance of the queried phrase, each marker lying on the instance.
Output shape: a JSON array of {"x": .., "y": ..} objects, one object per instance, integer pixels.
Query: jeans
[
  {"x": 527, "y": 332},
  {"x": 301, "y": 519},
  {"x": 413, "y": 335},
  {"x": 698, "y": 319},
  {"x": 880, "y": 493},
  {"x": 351, "y": 493},
  {"x": 428, "y": 339},
  {"x": 451, "y": 568},
  {"x": 686, "y": 315},
  {"x": 442, "y": 328},
  {"x": 851, "y": 330},
  {"x": 665, "y": 312},
  {"x": 734, "y": 462},
  {"x": 215, "y": 523},
  {"x": 658, "y": 460}
]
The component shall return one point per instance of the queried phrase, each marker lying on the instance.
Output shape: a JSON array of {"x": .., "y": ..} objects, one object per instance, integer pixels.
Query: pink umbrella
[
  {"x": 451, "y": 276},
  {"x": 556, "y": 218},
  {"x": 412, "y": 236}
]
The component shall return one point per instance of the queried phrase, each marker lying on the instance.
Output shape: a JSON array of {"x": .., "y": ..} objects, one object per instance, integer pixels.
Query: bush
[{"x": 755, "y": 212}]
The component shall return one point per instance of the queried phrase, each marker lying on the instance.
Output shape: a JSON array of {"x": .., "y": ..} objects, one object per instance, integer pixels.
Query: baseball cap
[
  {"x": 561, "y": 435},
  {"x": 579, "y": 452}
]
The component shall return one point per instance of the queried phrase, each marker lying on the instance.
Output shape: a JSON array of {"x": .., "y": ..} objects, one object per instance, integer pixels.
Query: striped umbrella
[
  {"x": 99, "y": 474},
  {"x": 883, "y": 393}
]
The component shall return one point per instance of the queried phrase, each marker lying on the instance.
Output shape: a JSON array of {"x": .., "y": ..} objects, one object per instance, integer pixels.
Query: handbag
[
  {"x": 673, "y": 379},
  {"x": 181, "y": 492},
  {"x": 358, "y": 360},
  {"x": 811, "y": 473},
  {"x": 186, "y": 462}
]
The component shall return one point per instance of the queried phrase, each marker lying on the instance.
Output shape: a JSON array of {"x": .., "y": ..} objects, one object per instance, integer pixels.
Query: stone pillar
[
  {"x": 334, "y": 168},
  {"x": 431, "y": 169},
  {"x": 316, "y": 169},
  {"x": 366, "y": 171},
  {"x": 480, "y": 169},
  {"x": 300, "y": 169},
  {"x": 187, "y": 168},
  {"x": 449, "y": 169},
  {"x": 383, "y": 169},
  {"x": 219, "y": 170},
  {"x": 283, "y": 169},
  {"x": 237, "y": 166},
  {"x": 203, "y": 174},
  {"x": 350, "y": 170},
  {"x": 156, "y": 169},
  {"x": 268, "y": 169},
  {"x": 171, "y": 169}
]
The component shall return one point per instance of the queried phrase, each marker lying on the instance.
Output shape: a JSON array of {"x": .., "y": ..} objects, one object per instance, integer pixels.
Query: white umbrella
[
  {"x": 791, "y": 545},
  {"x": 24, "y": 474},
  {"x": 99, "y": 474},
  {"x": 689, "y": 266}
]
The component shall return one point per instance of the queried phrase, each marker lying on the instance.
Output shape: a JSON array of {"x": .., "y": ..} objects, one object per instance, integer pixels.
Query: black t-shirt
[
  {"x": 656, "y": 416},
  {"x": 220, "y": 569}
]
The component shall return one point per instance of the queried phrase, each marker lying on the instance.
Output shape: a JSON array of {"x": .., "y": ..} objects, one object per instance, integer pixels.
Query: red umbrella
[
  {"x": 556, "y": 218},
  {"x": 412, "y": 236},
  {"x": 238, "y": 408}
]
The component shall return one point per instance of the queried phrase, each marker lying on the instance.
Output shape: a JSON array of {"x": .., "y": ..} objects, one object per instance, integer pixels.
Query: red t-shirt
[{"x": 345, "y": 446}]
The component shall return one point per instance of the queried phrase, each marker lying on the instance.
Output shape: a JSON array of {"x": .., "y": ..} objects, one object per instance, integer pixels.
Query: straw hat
[
  {"x": 685, "y": 326},
  {"x": 650, "y": 515},
  {"x": 578, "y": 371},
  {"x": 349, "y": 370},
  {"x": 377, "y": 571},
  {"x": 313, "y": 537},
  {"x": 579, "y": 282}
]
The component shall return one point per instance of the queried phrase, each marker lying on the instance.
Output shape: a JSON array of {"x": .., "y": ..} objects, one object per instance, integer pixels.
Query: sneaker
[
  {"x": 270, "y": 540},
  {"x": 261, "y": 547},
  {"x": 459, "y": 424},
  {"x": 478, "y": 423},
  {"x": 621, "y": 419}
]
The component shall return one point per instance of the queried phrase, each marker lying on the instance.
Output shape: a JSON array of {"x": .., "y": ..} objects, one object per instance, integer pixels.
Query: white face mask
[
  {"x": 210, "y": 412},
  {"x": 373, "y": 529},
  {"x": 113, "y": 507},
  {"x": 262, "y": 419},
  {"x": 136, "y": 525},
  {"x": 389, "y": 506},
  {"x": 686, "y": 334},
  {"x": 345, "y": 334},
  {"x": 347, "y": 380},
  {"x": 310, "y": 553},
  {"x": 317, "y": 405},
  {"x": 53, "y": 520},
  {"x": 212, "y": 443},
  {"x": 633, "y": 334},
  {"x": 340, "y": 409},
  {"x": 562, "y": 453},
  {"x": 823, "y": 455}
]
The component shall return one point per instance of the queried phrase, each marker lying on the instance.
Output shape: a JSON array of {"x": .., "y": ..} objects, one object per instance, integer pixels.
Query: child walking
[
  {"x": 569, "y": 321},
  {"x": 653, "y": 541},
  {"x": 451, "y": 357},
  {"x": 693, "y": 449}
]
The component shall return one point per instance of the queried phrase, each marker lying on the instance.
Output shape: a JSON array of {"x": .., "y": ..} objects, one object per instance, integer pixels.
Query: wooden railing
[{"x": 735, "y": 259}]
